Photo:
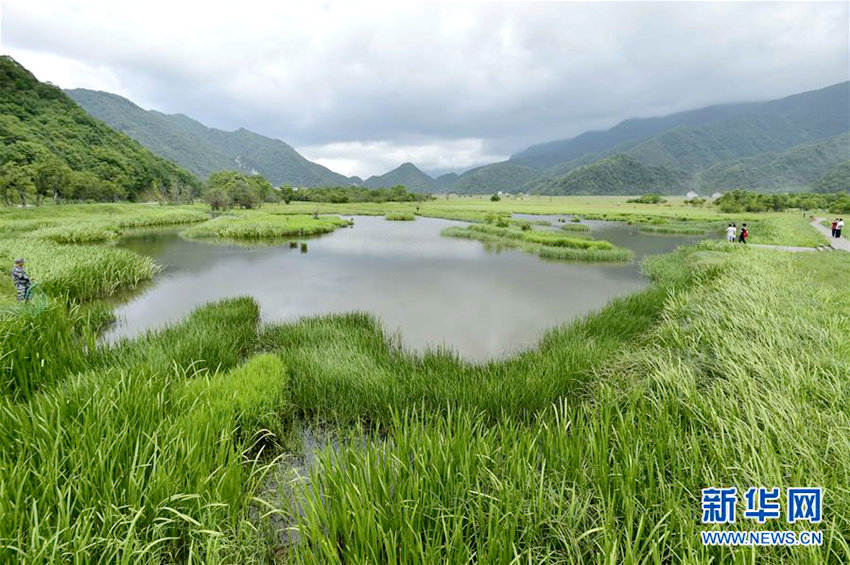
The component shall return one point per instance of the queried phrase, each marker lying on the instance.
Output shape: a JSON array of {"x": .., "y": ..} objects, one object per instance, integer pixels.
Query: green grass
[
  {"x": 400, "y": 216},
  {"x": 259, "y": 225},
  {"x": 40, "y": 346},
  {"x": 784, "y": 229},
  {"x": 75, "y": 272},
  {"x": 730, "y": 369},
  {"x": 586, "y": 454},
  {"x": 139, "y": 463},
  {"x": 546, "y": 244},
  {"x": 95, "y": 223},
  {"x": 79, "y": 233}
]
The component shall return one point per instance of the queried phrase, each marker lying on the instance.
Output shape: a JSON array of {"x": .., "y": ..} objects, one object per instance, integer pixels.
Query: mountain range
[
  {"x": 797, "y": 142},
  {"x": 785, "y": 144},
  {"x": 204, "y": 150}
]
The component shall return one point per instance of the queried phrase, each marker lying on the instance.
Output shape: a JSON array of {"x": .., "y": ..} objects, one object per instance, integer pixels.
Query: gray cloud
[{"x": 362, "y": 85}]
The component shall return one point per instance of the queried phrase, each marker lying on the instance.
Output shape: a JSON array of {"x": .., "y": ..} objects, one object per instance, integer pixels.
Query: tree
[
  {"x": 217, "y": 198},
  {"x": 232, "y": 188},
  {"x": 15, "y": 183},
  {"x": 261, "y": 185},
  {"x": 651, "y": 198},
  {"x": 244, "y": 194},
  {"x": 51, "y": 177},
  {"x": 495, "y": 198},
  {"x": 287, "y": 194}
]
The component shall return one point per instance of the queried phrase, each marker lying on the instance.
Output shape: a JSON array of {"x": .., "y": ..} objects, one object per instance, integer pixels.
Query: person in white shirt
[
  {"x": 730, "y": 232},
  {"x": 838, "y": 227}
]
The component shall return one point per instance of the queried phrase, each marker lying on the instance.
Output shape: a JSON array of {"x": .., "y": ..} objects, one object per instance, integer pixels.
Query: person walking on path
[
  {"x": 838, "y": 227},
  {"x": 20, "y": 280},
  {"x": 744, "y": 234},
  {"x": 730, "y": 233},
  {"x": 834, "y": 223}
]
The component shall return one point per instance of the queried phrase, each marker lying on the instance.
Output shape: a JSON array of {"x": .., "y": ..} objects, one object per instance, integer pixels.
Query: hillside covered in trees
[
  {"x": 786, "y": 144},
  {"x": 205, "y": 150},
  {"x": 53, "y": 148},
  {"x": 618, "y": 174},
  {"x": 797, "y": 168}
]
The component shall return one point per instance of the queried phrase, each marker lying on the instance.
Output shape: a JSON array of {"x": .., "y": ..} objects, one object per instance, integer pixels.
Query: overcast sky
[{"x": 362, "y": 87}]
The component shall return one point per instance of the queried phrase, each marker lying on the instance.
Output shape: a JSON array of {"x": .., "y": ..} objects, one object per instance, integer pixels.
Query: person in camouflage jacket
[{"x": 20, "y": 279}]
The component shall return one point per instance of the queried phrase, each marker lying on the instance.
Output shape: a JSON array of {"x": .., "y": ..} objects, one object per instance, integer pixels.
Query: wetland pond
[{"x": 434, "y": 291}]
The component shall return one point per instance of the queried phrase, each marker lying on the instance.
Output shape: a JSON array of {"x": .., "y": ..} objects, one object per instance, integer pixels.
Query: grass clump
[
  {"x": 682, "y": 229},
  {"x": 260, "y": 225},
  {"x": 400, "y": 216},
  {"x": 546, "y": 244},
  {"x": 211, "y": 338},
  {"x": 575, "y": 227}
]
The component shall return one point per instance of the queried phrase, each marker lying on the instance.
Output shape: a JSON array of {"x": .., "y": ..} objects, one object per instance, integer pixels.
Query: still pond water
[{"x": 434, "y": 291}]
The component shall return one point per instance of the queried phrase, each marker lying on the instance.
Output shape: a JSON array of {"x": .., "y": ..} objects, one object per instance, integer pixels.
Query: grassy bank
[
  {"x": 259, "y": 225},
  {"x": 400, "y": 216},
  {"x": 546, "y": 244},
  {"x": 594, "y": 447}
]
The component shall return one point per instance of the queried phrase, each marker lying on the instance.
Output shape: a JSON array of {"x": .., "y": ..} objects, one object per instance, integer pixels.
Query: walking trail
[{"x": 842, "y": 243}]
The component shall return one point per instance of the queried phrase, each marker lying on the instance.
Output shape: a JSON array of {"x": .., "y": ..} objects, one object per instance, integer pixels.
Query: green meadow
[{"x": 187, "y": 444}]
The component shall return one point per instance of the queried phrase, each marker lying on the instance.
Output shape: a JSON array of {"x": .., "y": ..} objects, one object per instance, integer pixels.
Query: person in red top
[
  {"x": 745, "y": 233},
  {"x": 834, "y": 223}
]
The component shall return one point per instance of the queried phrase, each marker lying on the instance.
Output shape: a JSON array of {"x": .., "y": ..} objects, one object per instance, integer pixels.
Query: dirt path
[{"x": 841, "y": 243}]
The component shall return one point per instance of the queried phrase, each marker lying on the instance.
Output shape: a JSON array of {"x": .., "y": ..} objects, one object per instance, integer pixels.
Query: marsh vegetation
[
  {"x": 546, "y": 244},
  {"x": 592, "y": 445},
  {"x": 400, "y": 216}
]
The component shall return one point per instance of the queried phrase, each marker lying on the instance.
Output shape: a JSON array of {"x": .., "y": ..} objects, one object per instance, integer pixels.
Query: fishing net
[{"x": 37, "y": 298}]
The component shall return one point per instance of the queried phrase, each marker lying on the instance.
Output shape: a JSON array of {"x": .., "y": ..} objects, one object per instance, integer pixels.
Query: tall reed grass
[
  {"x": 260, "y": 225},
  {"x": 149, "y": 455},
  {"x": 78, "y": 272},
  {"x": 718, "y": 379}
]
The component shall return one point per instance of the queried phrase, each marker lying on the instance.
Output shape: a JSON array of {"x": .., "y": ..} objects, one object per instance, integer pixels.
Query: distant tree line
[
  {"x": 234, "y": 189},
  {"x": 341, "y": 195},
  {"x": 651, "y": 198},
  {"x": 747, "y": 201}
]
